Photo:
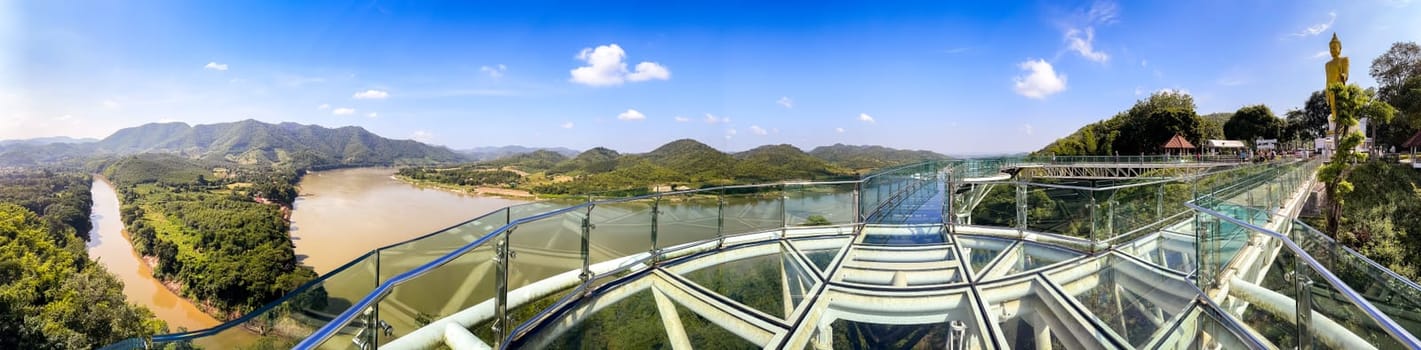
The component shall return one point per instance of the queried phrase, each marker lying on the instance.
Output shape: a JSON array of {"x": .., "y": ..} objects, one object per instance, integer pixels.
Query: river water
[
  {"x": 340, "y": 215},
  {"x": 109, "y": 245}
]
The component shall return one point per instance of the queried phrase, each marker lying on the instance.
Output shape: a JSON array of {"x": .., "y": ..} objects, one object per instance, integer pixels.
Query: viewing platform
[{"x": 1078, "y": 253}]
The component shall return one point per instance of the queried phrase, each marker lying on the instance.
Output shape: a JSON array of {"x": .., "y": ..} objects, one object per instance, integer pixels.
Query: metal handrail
[
  {"x": 387, "y": 286},
  {"x": 1390, "y": 326},
  {"x": 330, "y": 328}
]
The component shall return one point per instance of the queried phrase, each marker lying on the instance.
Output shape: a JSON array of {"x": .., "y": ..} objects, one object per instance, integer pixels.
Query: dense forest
[
  {"x": 680, "y": 164},
  {"x": 220, "y": 233},
  {"x": 51, "y": 294}
]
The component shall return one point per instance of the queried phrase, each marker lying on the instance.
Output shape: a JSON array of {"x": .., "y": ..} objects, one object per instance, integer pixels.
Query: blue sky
[{"x": 958, "y": 78}]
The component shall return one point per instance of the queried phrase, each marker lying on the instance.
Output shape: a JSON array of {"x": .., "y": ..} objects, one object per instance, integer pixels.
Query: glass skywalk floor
[{"x": 1037, "y": 258}]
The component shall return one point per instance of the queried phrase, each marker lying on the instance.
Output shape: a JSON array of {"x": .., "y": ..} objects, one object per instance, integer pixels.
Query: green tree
[
  {"x": 1353, "y": 103},
  {"x": 1253, "y": 122},
  {"x": 1398, "y": 75},
  {"x": 1148, "y": 132}
]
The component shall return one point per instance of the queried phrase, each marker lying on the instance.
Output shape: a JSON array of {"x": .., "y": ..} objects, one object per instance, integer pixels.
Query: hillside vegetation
[
  {"x": 679, "y": 164},
  {"x": 869, "y": 157},
  {"x": 51, "y": 294},
  {"x": 220, "y": 233},
  {"x": 246, "y": 142}
]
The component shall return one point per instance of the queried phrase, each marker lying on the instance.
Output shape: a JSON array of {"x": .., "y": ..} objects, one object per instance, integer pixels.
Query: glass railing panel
[
  {"x": 620, "y": 229},
  {"x": 997, "y": 205},
  {"x": 1329, "y": 305},
  {"x": 295, "y": 316},
  {"x": 1136, "y": 209},
  {"x": 547, "y": 252},
  {"x": 753, "y": 209},
  {"x": 1392, "y": 294},
  {"x": 1268, "y": 305},
  {"x": 1063, "y": 211},
  {"x": 407, "y": 256},
  {"x": 466, "y": 286},
  {"x": 685, "y": 218},
  {"x": 816, "y": 205}
]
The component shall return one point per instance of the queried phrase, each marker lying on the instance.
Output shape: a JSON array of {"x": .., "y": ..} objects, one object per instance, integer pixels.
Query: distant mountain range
[
  {"x": 253, "y": 142},
  {"x": 870, "y": 157},
  {"x": 496, "y": 152},
  {"x": 695, "y": 161},
  {"x": 40, "y": 141},
  {"x": 244, "y": 142}
]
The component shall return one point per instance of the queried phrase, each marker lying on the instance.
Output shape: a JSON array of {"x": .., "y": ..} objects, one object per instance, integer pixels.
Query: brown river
[{"x": 340, "y": 215}]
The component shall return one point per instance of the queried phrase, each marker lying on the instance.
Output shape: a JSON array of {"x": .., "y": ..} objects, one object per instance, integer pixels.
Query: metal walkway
[{"x": 1199, "y": 259}]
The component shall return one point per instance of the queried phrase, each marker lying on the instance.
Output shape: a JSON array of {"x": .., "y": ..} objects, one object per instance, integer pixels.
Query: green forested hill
[
  {"x": 258, "y": 143},
  {"x": 782, "y": 162},
  {"x": 216, "y": 228},
  {"x": 539, "y": 160},
  {"x": 682, "y": 163},
  {"x": 870, "y": 157},
  {"x": 1142, "y": 129},
  {"x": 592, "y": 161},
  {"x": 51, "y": 294}
]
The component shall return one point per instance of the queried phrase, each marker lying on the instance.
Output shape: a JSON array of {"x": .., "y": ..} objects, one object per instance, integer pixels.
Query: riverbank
[
  {"x": 110, "y": 245},
  {"x": 470, "y": 190}
]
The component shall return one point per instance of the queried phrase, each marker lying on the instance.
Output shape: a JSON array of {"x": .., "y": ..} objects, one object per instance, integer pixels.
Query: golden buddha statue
[{"x": 1336, "y": 74}]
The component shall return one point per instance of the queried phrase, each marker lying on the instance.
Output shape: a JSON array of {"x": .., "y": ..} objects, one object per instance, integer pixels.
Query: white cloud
[
  {"x": 1026, "y": 128},
  {"x": 1321, "y": 54},
  {"x": 343, "y": 111},
  {"x": 1040, "y": 81},
  {"x": 422, "y": 136},
  {"x": 111, "y": 105},
  {"x": 712, "y": 119},
  {"x": 323, "y": 106},
  {"x": 680, "y": 119},
  {"x": 1080, "y": 35},
  {"x": 1084, "y": 45},
  {"x": 839, "y": 130},
  {"x": 631, "y": 114},
  {"x": 567, "y": 125},
  {"x": 729, "y": 133},
  {"x": 606, "y": 66},
  {"x": 757, "y": 130},
  {"x": 1144, "y": 63},
  {"x": 786, "y": 102},
  {"x": 372, "y": 115},
  {"x": 1316, "y": 29},
  {"x": 649, "y": 71},
  {"x": 215, "y": 66},
  {"x": 864, "y": 117},
  {"x": 371, "y": 95},
  {"x": 494, "y": 71},
  {"x": 1105, "y": 12}
]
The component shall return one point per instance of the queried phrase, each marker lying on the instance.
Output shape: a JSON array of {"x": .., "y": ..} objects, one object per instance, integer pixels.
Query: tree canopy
[
  {"x": 1143, "y": 128},
  {"x": 1253, "y": 122},
  {"x": 51, "y": 295}
]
